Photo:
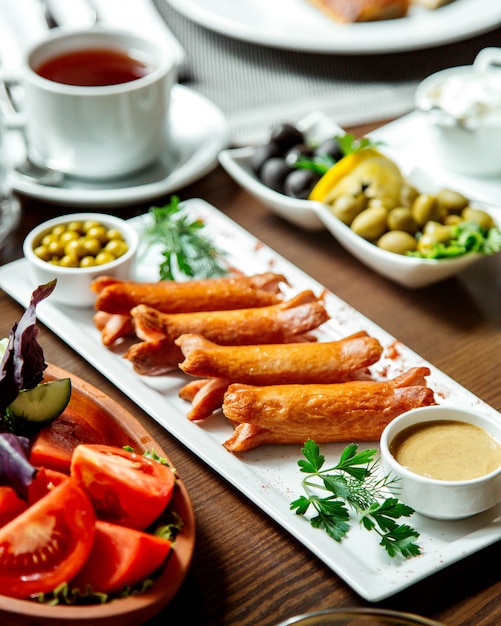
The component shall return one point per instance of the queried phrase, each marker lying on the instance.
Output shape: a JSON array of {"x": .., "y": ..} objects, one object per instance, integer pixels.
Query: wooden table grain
[{"x": 247, "y": 570}]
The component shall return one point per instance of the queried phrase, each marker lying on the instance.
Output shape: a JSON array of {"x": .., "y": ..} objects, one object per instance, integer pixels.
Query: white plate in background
[{"x": 299, "y": 25}]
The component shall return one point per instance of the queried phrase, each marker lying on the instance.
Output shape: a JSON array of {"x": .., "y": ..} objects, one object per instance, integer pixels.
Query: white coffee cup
[{"x": 96, "y": 131}]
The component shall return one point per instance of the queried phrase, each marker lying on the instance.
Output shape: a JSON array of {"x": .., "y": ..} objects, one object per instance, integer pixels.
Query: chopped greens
[
  {"x": 352, "y": 484},
  {"x": 467, "y": 237},
  {"x": 186, "y": 250},
  {"x": 349, "y": 143}
]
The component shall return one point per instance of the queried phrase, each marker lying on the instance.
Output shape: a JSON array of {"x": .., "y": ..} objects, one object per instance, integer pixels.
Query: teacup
[{"x": 96, "y": 101}]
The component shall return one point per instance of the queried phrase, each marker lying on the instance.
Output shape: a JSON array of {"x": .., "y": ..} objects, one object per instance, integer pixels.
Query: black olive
[
  {"x": 299, "y": 183},
  {"x": 329, "y": 147},
  {"x": 286, "y": 136},
  {"x": 262, "y": 154},
  {"x": 298, "y": 151},
  {"x": 274, "y": 172}
]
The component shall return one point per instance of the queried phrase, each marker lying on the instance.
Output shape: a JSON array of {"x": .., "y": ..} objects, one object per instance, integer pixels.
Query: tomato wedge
[
  {"x": 10, "y": 505},
  {"x": 48, "y": 543},
  {"x": 121, "y": 556},
  {"x": 54, "y": 444},
  {"x": 125, "y": 488}
]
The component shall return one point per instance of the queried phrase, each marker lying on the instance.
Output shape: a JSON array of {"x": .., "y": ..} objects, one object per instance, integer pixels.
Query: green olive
[
  {"x": 116, "y": 247},
  {"x": 401, "y": 218},
  {"x": 383, "y": 201},
  {"x": 81, "y": 244},
  {"x": 346, "y": 207},
  {"x": 408, "y": 194},
  {"x": 104, "y": 257},
  {"x": 451, "y": 201},
  {"x": 370, "y": 223},
  {"x": 42, "y": 252},
  {"x": 69, "y": 260},
  {"x": 477, "y": 215},
  {"x": 397, "y": 241},
  {"x": 425, "y": 208},
  {"x": 439, "y": 233}
]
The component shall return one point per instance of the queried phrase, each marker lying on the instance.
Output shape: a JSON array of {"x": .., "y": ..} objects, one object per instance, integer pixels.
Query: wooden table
[{"x": 247, "y": 570}]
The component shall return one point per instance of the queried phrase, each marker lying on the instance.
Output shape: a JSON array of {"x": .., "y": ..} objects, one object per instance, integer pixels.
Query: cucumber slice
[{"x": 42, "y": 403}]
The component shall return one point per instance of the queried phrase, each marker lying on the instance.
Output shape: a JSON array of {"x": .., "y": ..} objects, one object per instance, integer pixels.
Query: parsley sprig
[
  {"x": 353, "y": 484},
  {"x": 186, "y": 250}
]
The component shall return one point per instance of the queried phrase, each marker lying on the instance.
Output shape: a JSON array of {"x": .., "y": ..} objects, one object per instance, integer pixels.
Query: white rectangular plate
[{"x": 269, "y": 475}]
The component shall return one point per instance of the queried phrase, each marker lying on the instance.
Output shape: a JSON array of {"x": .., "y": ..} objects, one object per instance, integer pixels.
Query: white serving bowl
[
  {"x": 441, "y": 499},
  {"x": 73, "y": 283},
  {"x": 410, "y": 272},
  {"x": 462, "y": 110}
]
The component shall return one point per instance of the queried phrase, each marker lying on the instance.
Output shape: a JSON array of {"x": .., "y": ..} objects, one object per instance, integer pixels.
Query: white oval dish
[
  {"x": 410, "y": 272},
  {"x": 441, "y": 499},
  {"x": 73, "y": 283}
]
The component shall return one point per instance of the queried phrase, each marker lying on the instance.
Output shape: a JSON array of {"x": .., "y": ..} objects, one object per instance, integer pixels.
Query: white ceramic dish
[
  {"x": 269, "y": 475},
  {"x": 410, "y": 272},
  {"x": 199, "y": 131},
  {"x": 462, "y": 108},
  {"x": 298, "y": 25},
  {"x": 442, "y": 499},
  {"x": 408, "y": 141},
  {"x": 73, "y": 283}
]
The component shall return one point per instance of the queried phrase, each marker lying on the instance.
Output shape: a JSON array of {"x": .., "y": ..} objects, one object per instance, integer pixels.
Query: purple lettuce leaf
[
  {"x": 15, "y": 469},
  {"x": 23, "y": 364}
]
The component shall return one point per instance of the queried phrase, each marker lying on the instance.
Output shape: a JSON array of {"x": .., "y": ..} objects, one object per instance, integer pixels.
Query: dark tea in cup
[{"x": 93, "y": 67}]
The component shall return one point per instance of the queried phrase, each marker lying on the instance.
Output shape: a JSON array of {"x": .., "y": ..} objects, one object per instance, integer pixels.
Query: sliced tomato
[
  {"x": 45, "y": 480},
  {"x": 10, "y": 505},
  {"x": 53, "y": 446},
  {"x": 125, "y": 488},
  {"x": 48, "y": 543},
  {"x": 121, "y": 556}
]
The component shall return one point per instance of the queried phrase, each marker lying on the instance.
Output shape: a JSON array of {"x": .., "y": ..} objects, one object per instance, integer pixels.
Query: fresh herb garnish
[
  {"x": 466, "y": 237},
  {"x": 353, "y": 483},
  {"x": 348, "y": 144},
  {"x": 186, "y": 250}
]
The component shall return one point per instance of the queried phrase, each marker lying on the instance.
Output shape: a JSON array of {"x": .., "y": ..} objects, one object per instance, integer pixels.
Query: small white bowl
[
  {"x": 462, "y": 110},
  {"x": 441, "y": 499},
  {"x": 73, "y": 283}
]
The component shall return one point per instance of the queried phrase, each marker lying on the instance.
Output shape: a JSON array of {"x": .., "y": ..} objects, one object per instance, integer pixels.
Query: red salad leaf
[
  {"x": 15, "y": 469},
  {"x": 23, "y": 364}
]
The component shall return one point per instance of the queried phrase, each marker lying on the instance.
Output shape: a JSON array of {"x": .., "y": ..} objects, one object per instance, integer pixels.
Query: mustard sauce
[{"x": 447, "y": 450}]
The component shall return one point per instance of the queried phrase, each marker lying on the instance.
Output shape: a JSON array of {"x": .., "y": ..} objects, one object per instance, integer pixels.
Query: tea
[{"x": 94, "y": 67}]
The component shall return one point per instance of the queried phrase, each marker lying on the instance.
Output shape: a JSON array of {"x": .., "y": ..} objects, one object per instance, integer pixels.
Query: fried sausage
[
  {"x": 350, "y": 411},
  {"x": 321, "y": 362},
  {"x": 275, "y": 323},
  {"x": 113, "y": 327},
  {"x": 210, "y": 294}
]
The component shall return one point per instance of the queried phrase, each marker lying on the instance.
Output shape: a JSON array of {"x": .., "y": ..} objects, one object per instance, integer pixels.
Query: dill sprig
[
  {"x": 353, "y": 484},
  {"x": 186, "y": 250}
]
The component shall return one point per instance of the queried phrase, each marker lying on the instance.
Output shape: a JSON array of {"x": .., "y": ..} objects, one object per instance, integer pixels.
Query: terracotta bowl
[{"x": 122, "y": 429}]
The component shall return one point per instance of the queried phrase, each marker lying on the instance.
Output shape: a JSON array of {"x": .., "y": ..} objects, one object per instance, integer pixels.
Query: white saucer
[{"x": 198, "y": 132}]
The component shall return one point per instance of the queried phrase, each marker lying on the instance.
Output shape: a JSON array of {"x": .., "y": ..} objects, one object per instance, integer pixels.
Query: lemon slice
[{"x": 366, "y": 168}]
